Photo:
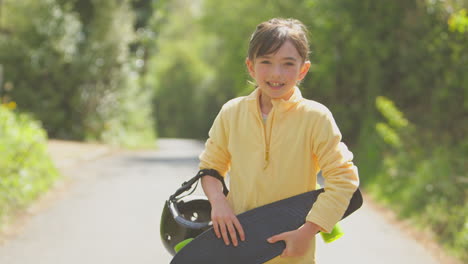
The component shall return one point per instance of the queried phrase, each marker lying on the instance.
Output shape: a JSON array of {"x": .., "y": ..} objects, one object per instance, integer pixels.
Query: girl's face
[{"x": 276, "y": 74}]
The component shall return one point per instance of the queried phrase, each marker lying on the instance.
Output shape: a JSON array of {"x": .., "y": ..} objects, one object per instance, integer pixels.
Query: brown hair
[{"x": 272, "y": 34}]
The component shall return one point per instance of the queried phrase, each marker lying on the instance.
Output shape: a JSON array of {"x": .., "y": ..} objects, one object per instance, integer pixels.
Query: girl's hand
[
  {"x": 297, "y": 241},
  {"x": 225, "y": 222}
]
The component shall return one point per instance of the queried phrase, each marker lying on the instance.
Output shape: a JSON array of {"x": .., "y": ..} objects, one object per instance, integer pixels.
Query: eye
[
  {"x": 290, "y": 64},
  {"x": 265, "y": 62}
]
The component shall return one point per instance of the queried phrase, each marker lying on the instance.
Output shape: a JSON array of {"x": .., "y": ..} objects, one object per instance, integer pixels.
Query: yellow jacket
[{"x": 281, "y": 158}]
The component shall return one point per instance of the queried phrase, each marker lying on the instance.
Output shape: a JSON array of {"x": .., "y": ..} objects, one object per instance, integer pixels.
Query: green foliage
[
  {"x": 388, "y": 134},
  {"x": 459, "y": 21},
  {"x": 118, "y": 108},
  {"x": 388, "y": 109},
  {"x": 70, "y": 66},
  {"x": 421, "y": 180},
  {"x": 396, "y": 121},
  {"x": 26, "y": 171},
  {"x": 180, "y": 76},
  {"x": 427, "y": 184},
  {"x": 37, "y": 53}
]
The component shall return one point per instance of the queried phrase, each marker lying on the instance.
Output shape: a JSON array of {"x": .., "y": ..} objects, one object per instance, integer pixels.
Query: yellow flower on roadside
[{"x": 10, "y": 105}]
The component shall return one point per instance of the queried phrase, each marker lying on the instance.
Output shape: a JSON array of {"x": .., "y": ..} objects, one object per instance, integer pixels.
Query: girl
[{"x": 273, "y": 142}]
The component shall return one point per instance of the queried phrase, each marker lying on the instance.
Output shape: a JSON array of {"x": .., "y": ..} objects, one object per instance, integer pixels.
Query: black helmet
[
  {"x": 184, "y": 218},
  {"x": 187, "y": 216}
]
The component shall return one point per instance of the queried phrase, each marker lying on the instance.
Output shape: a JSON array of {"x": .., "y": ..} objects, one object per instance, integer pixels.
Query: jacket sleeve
[
  {"x": 216, "y": 154},
  {"x": 340, "y": 174}
]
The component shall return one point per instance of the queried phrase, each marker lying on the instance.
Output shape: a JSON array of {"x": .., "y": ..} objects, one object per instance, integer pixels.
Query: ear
[
  {"x": 304, "y": 70},
  {"x": 250, "y": 67}
]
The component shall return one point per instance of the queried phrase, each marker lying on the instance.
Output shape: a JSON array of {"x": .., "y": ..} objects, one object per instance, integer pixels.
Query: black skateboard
[{"x": 259, "y": 224}]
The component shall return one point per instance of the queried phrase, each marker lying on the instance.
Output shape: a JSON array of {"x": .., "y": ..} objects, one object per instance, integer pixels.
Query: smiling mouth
[{"x": 275, "y": 85}]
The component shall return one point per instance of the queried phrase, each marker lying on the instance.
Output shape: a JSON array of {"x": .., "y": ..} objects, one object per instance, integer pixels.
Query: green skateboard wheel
[
  {"x": 182, "y": 244},
  {"x": 336, "y": 233}
]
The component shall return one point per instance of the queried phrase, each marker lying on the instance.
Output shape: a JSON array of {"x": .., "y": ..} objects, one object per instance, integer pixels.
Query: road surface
[{"x": 111, "y": 212}]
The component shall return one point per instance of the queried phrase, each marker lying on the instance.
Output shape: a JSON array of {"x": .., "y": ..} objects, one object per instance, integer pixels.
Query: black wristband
[
  {"x": 210, "y": 172},
  {"x": 214, "y": 173}
]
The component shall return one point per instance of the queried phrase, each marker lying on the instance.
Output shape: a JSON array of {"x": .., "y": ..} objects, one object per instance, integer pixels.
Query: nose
[{"x": 276, "y": 71}]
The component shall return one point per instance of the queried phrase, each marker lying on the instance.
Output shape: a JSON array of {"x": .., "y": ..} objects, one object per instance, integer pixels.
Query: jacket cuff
[{"x": 326, "y": 220}]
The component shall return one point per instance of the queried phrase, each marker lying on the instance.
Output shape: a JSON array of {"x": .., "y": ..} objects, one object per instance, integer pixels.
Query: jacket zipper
[{"x": 267, "y": 137}]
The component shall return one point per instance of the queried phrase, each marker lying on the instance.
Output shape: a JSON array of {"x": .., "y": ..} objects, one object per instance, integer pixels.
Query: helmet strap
[
  {"x": 214, "y": 173},
  {"x": 204, "y": 172}
]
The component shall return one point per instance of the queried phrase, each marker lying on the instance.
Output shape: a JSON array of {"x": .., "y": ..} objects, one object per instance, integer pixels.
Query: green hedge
[
  {"x": 26, "y": 170},
  {"x": 420, "y": 179},
  {"x": 70, "y": 64}
]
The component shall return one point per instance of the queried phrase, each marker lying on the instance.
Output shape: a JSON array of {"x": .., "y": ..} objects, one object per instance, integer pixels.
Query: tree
[{"x": 70, "y": 65}]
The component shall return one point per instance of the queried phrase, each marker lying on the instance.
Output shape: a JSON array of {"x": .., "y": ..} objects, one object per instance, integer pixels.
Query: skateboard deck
[{"x": 259, "y": 224}]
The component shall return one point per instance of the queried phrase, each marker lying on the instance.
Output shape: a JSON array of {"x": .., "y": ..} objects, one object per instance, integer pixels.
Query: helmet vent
[
  {"x": 194, "y": 216},
  {"x": 184, "y": 218}
]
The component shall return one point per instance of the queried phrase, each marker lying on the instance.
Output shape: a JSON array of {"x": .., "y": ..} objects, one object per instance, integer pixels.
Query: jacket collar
[{"x": 279, "y": 104}]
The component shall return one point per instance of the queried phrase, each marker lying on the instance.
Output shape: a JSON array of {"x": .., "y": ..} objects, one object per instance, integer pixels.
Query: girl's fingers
[
  {"x": 276, "y": 238},
  {"x": 224, "y": 233},
  {"x": 216, "y": 229},
  {"x": 239, "y": 228},
  {"x": 232, "y": 233},
  {"x": 228, "y": 229}
]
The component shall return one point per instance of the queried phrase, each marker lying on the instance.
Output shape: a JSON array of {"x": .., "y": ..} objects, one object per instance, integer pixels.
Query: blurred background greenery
[{"x": 394, "y": 73}]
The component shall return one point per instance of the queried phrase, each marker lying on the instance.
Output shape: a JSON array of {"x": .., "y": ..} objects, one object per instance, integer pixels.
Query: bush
[
  {"x": 421, "y": 180},
  {"x": 26, "y": 170},
  {"x": 69, "y": 64}
]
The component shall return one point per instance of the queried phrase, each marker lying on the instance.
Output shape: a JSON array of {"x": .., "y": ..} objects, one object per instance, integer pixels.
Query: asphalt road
[{"x": 111, "y": 214}]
